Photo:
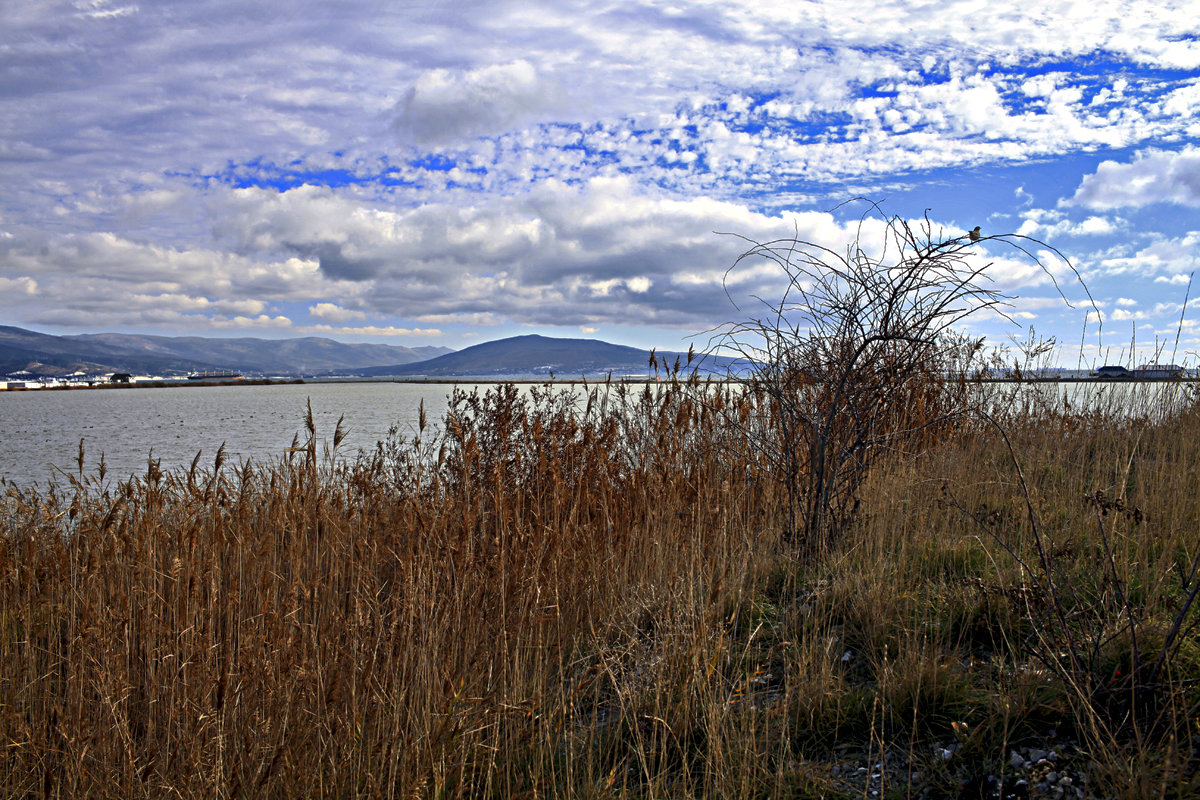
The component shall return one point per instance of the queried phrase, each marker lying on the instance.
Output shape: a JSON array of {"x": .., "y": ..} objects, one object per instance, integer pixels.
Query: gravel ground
[{"x": 1037, "y": 773}]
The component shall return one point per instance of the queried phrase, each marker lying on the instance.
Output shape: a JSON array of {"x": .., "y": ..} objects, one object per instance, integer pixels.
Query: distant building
[
  {"x": 121, "y": 377},
  {"x": 1146, "y": 372},
  {"x": 1158, "y": 372}
]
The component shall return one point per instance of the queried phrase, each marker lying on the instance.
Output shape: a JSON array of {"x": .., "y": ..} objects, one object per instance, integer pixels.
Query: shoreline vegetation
[
  {"x": 581, "y": 381},
  {"x": 564, "y": 594},
  {"x": 845, "y": 577}
]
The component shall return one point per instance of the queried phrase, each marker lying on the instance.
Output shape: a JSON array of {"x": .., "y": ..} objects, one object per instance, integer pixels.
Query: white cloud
[
  {"x": 104, "y": 280},
  {"x": 177, "y": 301},
  {"x": 1049, "y": 224},
  {"x": 1094, "y": 226},
  {"x": 1154, "y": 176},
  {"x": 479, "y": 320},
  {"x": 332, "y": 312},
  {"x": 605, "y": 250},
  {"x": 1163, "y": 256},
  {"x": 1174, "y": 280},
  {"x": 21, "y": 285},
  {"x": 261, "y": 321},
  {"x": 102, "y": 11},
  {"x": 1159, "y": 311},
  {"x": 368, "y": 330},
  {"x": 443, "y": 105},
  {"x": 1044, "y": 303},
  {"x": 1184, "y": 101}
]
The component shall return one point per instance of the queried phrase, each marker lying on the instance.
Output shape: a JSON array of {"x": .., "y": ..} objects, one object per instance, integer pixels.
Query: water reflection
[{"x": 40, "y": 430}]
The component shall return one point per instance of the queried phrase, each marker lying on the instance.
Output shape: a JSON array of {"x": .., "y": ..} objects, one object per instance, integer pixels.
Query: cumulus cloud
[
  {"x": 261, "y": 321},
  {"x": 1159, "y": 311},
  {"x": 1174, "y": 280},
  {"x": 557, "y": 254},
  {"x": 484, "y": 319},
  {"x": 444, "y": 105},
  {"x": 1184, "y": 101},
  {"x": 607, "y": 251},
  {"x": 1172, "y": 258},
  {"x": 369, "y": 330},
  {"x": 1154, "y": 176},
  {"x": 332, "y": 312},
  {"x": 1049, "y": 224},
  {"x": 105, "y": 280}
]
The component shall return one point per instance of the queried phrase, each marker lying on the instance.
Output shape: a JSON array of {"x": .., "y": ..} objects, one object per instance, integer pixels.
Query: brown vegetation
[
  {"x": 587, "y": 596},
  {"x": 848, "y": 352}
]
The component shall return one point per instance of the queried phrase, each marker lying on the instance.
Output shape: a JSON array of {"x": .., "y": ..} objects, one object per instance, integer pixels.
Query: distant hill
[
  {"x": 516, "y": 357},
  {"x": 46, "y": 354},
  {"x": 537, "y": 356}
]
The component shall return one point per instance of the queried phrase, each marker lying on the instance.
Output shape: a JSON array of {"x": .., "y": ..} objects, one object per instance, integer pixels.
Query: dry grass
[{"x": 589, "y": 597}]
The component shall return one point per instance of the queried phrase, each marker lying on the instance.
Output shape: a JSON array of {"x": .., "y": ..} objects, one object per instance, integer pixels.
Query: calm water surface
[{"x": 40, "y": 430}]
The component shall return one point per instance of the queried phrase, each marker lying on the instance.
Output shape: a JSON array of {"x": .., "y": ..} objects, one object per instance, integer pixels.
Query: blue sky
[{"x": 450, "y": 173}]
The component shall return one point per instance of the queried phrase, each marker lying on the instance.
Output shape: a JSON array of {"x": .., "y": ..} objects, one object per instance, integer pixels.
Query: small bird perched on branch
[{"x": 974, "y": 234}]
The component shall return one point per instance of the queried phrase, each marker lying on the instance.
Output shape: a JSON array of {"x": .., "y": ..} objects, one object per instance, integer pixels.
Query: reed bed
[{"x": 590, "y": 593}]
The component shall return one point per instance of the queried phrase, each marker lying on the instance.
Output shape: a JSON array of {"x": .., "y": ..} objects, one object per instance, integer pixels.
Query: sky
[{"x": 448, "y": 173}]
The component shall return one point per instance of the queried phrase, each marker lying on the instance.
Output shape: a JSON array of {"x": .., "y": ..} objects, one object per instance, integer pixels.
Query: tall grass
[{"x": 587, "y": 594}]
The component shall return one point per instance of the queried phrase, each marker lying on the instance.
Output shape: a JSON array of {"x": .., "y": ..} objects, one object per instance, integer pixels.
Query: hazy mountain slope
[
  {"x": 534, "y": 355},
  {"x": 308, "y": 354},
  {"x": 47, "y": 354}
]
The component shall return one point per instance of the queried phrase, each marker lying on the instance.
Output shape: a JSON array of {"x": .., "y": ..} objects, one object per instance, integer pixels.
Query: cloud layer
[
  {"x": 1155, "y": 176},
  {"x": 465, "y": 168}
]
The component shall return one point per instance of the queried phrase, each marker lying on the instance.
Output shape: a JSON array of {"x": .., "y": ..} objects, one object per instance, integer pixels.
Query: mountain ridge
[
  {"x": 536, "y": 355},
  {"x": 529, "y": 355},
  {"x": 51, "y": 355}
]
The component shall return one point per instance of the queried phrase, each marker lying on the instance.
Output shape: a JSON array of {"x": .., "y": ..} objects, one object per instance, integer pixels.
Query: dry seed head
[{"x": 309, "y": 424}]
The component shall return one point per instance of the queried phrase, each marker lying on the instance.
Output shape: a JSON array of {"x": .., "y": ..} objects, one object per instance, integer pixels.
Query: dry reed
[{"x": 587, "y": 595}]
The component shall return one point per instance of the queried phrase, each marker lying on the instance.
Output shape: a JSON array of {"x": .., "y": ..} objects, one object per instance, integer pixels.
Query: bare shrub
[{"x": 860, "y": 356}]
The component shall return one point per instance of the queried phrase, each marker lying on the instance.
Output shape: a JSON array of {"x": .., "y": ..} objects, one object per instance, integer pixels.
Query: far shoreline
[{"x": 493, "y": 381}]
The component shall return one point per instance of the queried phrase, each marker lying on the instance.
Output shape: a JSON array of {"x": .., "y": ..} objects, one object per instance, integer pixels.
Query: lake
[{"x": 40, "y": 430}]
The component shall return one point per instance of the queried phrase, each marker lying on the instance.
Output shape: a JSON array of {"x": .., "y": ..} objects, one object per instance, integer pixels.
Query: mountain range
[
  {"x": 515, "y": 357},
  {"x": 537, "y": 356},
  {"x": 46, "y": 354}
]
